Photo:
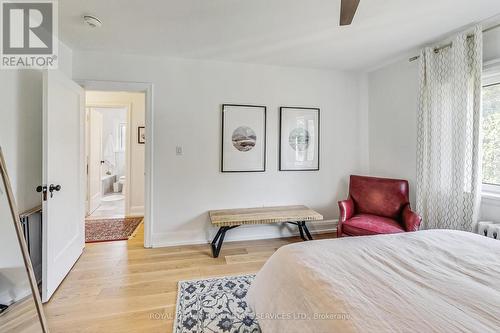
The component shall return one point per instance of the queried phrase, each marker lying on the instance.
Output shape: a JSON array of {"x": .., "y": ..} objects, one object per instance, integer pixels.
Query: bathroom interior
[{"x": 108, "y": 125}]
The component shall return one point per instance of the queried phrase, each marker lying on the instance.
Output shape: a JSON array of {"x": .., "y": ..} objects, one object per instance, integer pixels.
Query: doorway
[
  {"x": 64, "y": 171},
  {"x": 115, "y": 164},
  {"x": 148, "y": 136},
  {"x": 106, "y": 133}
]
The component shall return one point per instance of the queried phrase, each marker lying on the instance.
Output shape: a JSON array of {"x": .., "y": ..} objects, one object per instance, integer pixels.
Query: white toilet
[{"x": 121, "y": 181}]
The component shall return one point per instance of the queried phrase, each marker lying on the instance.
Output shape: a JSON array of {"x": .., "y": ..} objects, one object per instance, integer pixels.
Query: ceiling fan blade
[{"x": 347, "y": 11}]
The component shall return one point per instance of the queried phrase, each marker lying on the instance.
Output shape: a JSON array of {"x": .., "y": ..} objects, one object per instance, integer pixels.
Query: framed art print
[
  {"x": 243, "y": 138},
  {"x": 141, "y": 135},
  {"x": 299, "y": 139}
]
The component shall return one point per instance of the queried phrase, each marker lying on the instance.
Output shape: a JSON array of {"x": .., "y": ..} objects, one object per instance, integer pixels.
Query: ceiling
[{"x": 280, "y": 32}]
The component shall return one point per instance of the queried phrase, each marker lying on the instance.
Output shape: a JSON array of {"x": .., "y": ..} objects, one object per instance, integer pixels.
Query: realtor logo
[{"x": 29, "y": 34}]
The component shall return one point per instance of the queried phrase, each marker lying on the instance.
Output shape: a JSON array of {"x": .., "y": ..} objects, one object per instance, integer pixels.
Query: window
[
  {"x": 122, "y": 137},
  {"x": 491, "y": 134}
]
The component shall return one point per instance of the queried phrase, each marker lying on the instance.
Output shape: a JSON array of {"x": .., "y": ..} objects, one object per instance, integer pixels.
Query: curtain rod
[{"x": 437, "y": 49}]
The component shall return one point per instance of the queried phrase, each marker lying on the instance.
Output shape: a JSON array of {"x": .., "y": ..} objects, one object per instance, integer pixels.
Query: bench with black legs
[{"x": 233, "y": 218}]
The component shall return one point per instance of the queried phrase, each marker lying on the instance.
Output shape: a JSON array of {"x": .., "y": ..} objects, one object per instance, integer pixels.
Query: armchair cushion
[{"x": 367, "y": 224}]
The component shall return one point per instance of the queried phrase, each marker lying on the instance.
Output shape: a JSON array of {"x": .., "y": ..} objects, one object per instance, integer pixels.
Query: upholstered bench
[{"x": 232, "y": 218}]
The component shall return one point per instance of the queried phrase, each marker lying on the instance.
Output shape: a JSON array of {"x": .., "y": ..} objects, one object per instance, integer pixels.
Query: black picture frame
[
  {"x": 282, "y": 110},
  {"x": 140, "y": 140},
  {"x": 223, "y": 107}
]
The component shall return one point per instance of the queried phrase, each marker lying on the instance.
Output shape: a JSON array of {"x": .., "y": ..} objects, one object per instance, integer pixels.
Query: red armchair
[{"x": 376, "y": 206}]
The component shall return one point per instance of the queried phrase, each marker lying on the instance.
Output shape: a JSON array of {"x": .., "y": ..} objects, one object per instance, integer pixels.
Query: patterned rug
[
  {"x": 215, "y": 305},
  {"x": 104, "y": 230}
]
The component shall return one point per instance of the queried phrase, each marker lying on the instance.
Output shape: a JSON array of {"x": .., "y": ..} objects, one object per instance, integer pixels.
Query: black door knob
[{"x": 53, "y": 188}]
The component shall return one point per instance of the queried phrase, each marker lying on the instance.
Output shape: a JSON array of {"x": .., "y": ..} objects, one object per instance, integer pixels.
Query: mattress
[{"x": 426, "y": 281}]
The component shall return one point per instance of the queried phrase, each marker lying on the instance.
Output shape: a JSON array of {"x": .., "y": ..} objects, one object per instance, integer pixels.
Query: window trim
[
  {"x": 491, "y": 188},
  {"x": 491, "y": 78},
  {"x": 491, "y": 191},
  {"x": 490, "y": 194}
]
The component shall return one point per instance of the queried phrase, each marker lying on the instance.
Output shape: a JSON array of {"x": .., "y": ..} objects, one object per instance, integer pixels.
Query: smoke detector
[{"x": 92, "y": 21}]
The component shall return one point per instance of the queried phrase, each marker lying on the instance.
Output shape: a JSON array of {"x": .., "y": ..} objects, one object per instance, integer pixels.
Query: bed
[{"x": 426, "y": 281}]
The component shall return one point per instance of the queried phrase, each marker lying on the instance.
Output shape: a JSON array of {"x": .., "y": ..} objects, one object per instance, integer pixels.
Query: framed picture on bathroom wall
[
  {"x": 141, "y": 135},
  {"x": 299, "y": 139},
  {"x": 243, "y": 138}
]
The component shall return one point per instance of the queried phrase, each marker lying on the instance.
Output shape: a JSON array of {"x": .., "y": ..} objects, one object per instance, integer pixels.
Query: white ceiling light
[{"x": 92, "y": 21}]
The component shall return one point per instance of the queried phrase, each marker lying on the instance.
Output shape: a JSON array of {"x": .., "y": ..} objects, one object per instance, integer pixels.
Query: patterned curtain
[{"x": 448, "y": 137}]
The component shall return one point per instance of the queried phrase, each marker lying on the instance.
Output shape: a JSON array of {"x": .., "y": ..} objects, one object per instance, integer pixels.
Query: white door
[
  {"x": 95, "y": 158},
  {"x": 63, "y": 165}
]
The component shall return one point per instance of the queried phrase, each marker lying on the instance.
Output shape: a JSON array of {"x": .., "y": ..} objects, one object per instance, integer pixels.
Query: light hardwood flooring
[{"x": 123, "y": 287}]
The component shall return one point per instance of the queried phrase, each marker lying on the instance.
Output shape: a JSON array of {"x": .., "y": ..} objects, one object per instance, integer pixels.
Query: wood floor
[{"x": 123, "y": 287}]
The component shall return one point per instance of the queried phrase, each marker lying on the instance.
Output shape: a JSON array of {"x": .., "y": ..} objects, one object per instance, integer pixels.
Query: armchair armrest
[
  {"x": 346, "y": 208},
  {"x": 411, "y": 220}
]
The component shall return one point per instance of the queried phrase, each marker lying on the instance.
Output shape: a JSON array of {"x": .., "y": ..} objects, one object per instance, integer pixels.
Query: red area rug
[{"x": 105, "y": 230}]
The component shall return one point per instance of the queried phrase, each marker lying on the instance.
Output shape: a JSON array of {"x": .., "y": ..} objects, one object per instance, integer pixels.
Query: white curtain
[{"x": 448, "y": 137}]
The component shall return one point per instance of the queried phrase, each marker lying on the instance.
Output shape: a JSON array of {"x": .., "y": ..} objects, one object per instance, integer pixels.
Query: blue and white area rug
[{"x": 215, "y": 305}]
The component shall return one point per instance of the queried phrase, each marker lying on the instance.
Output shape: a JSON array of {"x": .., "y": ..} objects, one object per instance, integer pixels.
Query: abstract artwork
[
  {"x": 243, "y": 138},
  {"x": 299, "y": 139}
]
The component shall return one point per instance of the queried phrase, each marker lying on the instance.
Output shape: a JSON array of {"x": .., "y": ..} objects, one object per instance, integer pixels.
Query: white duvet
[{"x": 426, "y": 281}]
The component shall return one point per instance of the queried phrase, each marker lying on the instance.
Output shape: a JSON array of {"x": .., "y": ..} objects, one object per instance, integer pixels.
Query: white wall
[
  {"x": 187, "y": 99},
  {"x": 21, "y": 127},
  {"x": 21, "y": 132},
  {"x": 65, "y": 60},
  {"x": 393, "y": 122},
  {"x": 136, "y": 103}
]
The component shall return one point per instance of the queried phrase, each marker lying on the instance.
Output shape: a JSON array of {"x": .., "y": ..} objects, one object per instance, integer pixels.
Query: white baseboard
[
  {"x": 15, "y": 294},
  {"x": 243, "y": 233}
]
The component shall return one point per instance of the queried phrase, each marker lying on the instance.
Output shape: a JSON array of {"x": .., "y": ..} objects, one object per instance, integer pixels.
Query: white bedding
[{"x": 426, "y": 281}]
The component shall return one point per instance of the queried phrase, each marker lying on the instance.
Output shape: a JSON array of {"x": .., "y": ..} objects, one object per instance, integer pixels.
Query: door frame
[
  {"x": 88, "y": 132},
  {"x": 128, "y": 138},
  {"x": 147, "y": 89}
]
